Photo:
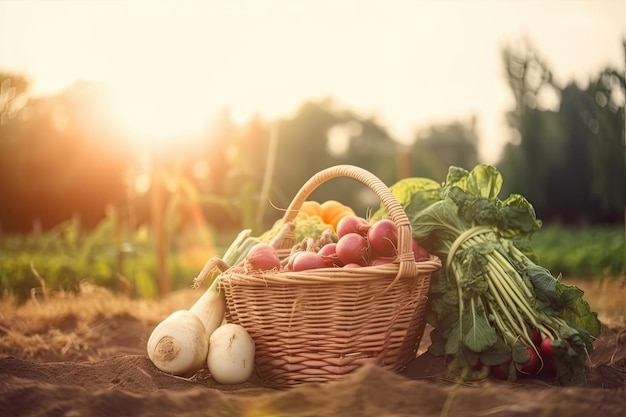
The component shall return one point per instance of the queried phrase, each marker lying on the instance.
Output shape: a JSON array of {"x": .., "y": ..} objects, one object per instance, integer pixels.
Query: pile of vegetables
[
  {"x": 330, "y": 234},
  {"x": 493, "y": 307},
  {"x": 188, "y": 340}
]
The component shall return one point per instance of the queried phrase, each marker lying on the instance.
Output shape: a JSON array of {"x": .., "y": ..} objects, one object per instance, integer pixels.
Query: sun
[{"x": 154, "y": 116}]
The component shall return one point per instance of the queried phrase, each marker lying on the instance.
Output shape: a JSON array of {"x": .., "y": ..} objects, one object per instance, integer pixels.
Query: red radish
[
  {"x": 501, "y": 371},
  {"x": 353, "y": 248},
  {"x": 548, "y": 369},
  {"x": 533, "y": 364},
  {"x": 291, "y": 258},
  {"x": 262, "y": 257},
  {"x": 307, "y": 260},
  {"x": 328, "y": 252},
  {"x": 383, "y": 238},
  {"x": 535, "y": 336},
  {"x": 352, "y": 265},
  {"x": 352, "y": 224},
  {"x": 419, "y": 252},
  {"x": 546, "y": 348}
]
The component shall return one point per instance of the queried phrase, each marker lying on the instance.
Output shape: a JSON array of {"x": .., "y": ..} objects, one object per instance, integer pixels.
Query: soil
[{"x": 112, "y": 376}]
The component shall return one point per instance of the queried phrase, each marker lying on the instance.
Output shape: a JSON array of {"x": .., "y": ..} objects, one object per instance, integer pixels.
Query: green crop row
[
  {"x": 126, "y": 262},
  {"x": 107, "y": 256},
  {"x": 594, "y": 252}
]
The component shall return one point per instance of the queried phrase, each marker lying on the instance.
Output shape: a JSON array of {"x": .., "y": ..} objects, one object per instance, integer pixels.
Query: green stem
[
  {"x": 232, "y": 251},
  {"x": 502, "y": 262},
  {"x": 502, "y": 290},
  {"x": 462, "y": 238},
  {"x": 523, "y": 305},
  {"x": 505, "y": 330},
  {"x": 497, "y": 260},
  {"x": 496, "y": 296},
  {"x": 460, "y": 295}
]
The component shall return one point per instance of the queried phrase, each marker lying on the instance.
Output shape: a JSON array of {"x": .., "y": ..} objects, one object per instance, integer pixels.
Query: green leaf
[
  {"x": 544, "y": 284},
  {"x": 569, "y": 362},
  {"x": 566, "y": 299},
  {"x": 454, "y": 340},
  {"x": 578, "y": 312},
  {"x": 519, "y": 353},
  {"x": 478, "y": 334},
  {"x": 483, "y": 181},
  {"x": 518, "y": 217},
  {"x": 414, "y": 195},
  {"x": 496, "y": 354},
  {"x": 471, "y": 272}
]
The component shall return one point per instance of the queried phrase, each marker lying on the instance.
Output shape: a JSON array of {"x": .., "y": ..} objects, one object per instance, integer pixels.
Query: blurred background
[{"x": 138, "y": 138}]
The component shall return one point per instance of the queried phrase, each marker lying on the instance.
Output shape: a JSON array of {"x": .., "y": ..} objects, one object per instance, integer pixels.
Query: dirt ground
[{"x": 75, "y": 357}]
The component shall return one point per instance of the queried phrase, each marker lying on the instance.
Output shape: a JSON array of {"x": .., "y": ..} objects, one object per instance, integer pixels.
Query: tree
[
  {"x": 530, "y": 159},
  {"x": 568, "y": 162},
  {"x": 61, "y": 156},
  {"x": 440, "y": 146}
]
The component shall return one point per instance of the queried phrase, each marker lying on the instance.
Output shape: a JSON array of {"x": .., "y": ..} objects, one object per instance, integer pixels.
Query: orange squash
[
  {"x": 308, "y": 209},
  {"x": 333, "y": 211}
]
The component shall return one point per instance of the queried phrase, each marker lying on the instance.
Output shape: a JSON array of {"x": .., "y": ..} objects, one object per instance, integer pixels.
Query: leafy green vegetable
[
  {"x": 418, "y": 192},
  {"x": 490, "y": 293}
]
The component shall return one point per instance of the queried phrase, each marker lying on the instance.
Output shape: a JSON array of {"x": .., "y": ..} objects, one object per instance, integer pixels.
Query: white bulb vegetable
[
  {"x": 231, "y": 354},
  {"x": 179, "y": 344}
]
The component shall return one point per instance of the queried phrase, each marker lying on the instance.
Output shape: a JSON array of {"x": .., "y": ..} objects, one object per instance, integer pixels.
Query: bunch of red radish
[
  {"x": 359, "y": 244},
  {"x": 540, "y": 361}
]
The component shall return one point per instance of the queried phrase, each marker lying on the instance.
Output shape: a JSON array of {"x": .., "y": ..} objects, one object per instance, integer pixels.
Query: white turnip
[
  {"x": 179, "y": 344},
  {"x": 231, "y": 354}
]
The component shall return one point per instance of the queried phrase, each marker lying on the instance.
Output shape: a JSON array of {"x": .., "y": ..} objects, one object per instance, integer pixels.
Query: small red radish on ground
[
  {"x": 383, "y": 238},
  {"x": 501, "y": 371},
  {"x": 352, "y": 224},
  {"x": 533, "y": 364},
  {"x": 353, "y": 248},
  {"x": 262, "y": 257}
]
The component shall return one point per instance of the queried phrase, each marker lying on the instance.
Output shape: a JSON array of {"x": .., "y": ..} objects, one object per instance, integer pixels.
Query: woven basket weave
[{"x": 321, "y": 324}]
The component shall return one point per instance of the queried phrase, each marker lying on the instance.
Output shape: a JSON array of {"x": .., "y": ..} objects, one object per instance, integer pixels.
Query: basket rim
[{"x": 327, "y": 275}]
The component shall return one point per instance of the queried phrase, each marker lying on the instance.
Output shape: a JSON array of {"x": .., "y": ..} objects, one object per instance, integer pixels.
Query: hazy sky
[{"x": 408, "y": 63}]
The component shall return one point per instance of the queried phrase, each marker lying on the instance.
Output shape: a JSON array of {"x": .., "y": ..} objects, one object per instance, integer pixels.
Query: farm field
[{"x": 85, "y": 355}]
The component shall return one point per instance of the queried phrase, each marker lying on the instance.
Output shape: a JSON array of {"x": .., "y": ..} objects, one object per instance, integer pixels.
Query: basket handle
[{"x": 406, "y": 258}]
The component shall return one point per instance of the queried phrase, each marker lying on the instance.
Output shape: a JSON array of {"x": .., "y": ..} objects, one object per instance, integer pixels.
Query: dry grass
[
  {"x": 73, "y": 325},
  {"x": 97, "y": 323}
]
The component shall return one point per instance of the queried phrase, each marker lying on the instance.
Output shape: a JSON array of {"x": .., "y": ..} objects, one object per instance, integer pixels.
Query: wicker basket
[{"x": 322, "y": 324}]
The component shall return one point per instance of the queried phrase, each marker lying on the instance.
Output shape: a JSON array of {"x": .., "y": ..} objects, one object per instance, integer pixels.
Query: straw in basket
[{"x": 319, "y": 325}]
